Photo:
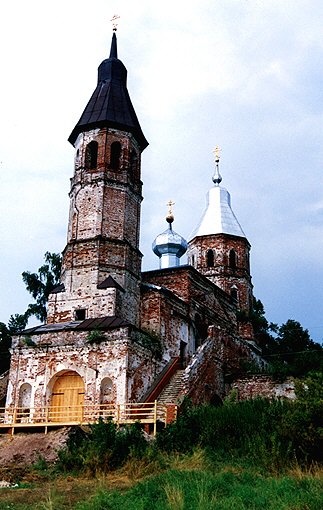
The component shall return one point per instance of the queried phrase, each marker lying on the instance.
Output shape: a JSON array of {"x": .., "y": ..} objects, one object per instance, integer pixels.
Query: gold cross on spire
[
  {"x": 170, "y": 216},
  {"x": 217, "y": 176},
  {"x": 216, "y": 153},
  {"x": 114, "y": 21},
  {"x": 170, "y": 204}
]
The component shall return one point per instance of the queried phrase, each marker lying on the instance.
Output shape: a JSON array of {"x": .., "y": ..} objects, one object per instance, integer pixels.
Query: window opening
[
  {"x": 106, "y": 393},
  {"x": 210, "y": 258},
  {"x": 234, "y": 294},
  {"x": 91, "y": 155},
  {"x": 232, "y": 259},
  {"x": 115, "y": 153},
  {"x": 133, "y": 165},
  {"x": 80, "y": 314}
]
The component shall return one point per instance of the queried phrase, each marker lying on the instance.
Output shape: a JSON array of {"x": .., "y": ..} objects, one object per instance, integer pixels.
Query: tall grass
[{"x": 186, "y": 490}]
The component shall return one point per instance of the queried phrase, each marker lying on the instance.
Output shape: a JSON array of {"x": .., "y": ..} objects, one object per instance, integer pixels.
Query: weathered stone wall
[
  {"x": 56, "y": 352},
  {"x": 96, "y": 302},
  {"x": 204, "y": 377},
  {"x": 120, "y": 356},
  {"x": 220, "y": 356},
  {"x": 4, "y": 378},
  {"x": 222, "y": 273},
  {"x": 165, "y": 315},
  {"x": 202, "y": 296},
  {"x": 263, "y": 386},
  {"x": 103, "y": 231},
  {"x": 142, "y": 371}
]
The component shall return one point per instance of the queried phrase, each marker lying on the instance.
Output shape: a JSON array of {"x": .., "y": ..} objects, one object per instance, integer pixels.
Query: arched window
[
  {"x": 232, "y": 259},
  {"x": 106, "y": 393},
  {"x": 91, "y": 155},
  {"x": 115, "y": 153},
  {"x": 193, "y": 260},
  {"x": 24, "y": 403},
  {"x": 210, "y": 258},
  {"x": 234, "y": 294},
  {"x": 24, "y": 395}
]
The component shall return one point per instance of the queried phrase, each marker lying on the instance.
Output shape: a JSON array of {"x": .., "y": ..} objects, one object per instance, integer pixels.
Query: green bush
[
  {"x": 103, "y": 448},
  {"x": 303, "y": 420},
  {"x": 270, "y": 433}
]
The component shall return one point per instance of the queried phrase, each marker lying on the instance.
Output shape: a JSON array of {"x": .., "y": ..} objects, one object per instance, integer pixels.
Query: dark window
[
  {"x": 91, "y": 155},
  {"x": 210, "y": 258},
  {"x": 234, "y": 294},
  {"x": 193, "y": 261},
  {"x": 200, "y": 330},
  {"x": 115, "y": 153},
  {"x": 232, "y": 259},
  {"x": 133, "y": 165},
  {"x": 80, "y": 314}
]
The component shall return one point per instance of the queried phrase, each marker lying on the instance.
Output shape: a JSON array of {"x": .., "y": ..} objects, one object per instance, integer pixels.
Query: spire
[
  {"x": 110, "y": 104},
  {"x": 218, "y": 217},
  {"x": 113, "y": 50},
  {"x": 169, "y": 246}
]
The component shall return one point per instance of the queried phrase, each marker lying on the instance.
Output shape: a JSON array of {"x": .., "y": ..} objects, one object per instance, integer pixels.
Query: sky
[{"x": 246, "y": 75}]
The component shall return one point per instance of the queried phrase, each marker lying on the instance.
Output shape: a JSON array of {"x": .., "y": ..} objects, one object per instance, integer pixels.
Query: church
[{"x": 115, "y": 334}]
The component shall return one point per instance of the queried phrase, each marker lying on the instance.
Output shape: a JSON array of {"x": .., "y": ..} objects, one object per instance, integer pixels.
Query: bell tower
[
  {"x": 218, "y": 248},
  {"x": 101, "y": 261}
]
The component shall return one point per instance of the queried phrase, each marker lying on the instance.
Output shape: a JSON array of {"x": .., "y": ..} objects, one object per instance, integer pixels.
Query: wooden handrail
[
  {"x": 129, "y": 412},
  {"x": 163, "y": 379}
]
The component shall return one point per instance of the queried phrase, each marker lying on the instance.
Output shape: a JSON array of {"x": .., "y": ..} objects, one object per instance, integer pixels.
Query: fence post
[
  {"x": 118, "y": 414},
  {"x": 155, "y": 418}
]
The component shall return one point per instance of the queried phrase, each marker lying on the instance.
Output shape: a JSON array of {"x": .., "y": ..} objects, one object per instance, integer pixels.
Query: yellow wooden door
[{"x": 67, "y": 398}]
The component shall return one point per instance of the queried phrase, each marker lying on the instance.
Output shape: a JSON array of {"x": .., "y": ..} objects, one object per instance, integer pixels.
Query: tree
[
  {"x": 262, "y": 328},
  {"x": 303, "y": 422},
  {"x": 295, "y": 348},
  {"x": 288, "y": 348},
  {"x": 17, "y": 323},
  {"x": 39, "y": 285},
  {"x": 5, "y": 344}
]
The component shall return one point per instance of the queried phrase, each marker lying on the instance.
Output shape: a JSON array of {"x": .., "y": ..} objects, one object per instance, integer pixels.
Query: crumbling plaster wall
[
  {"x": 56, "y": 352},
  {"x": 220, "y": 356},
  {"x": 166, "y": 316},
  {"x": 198, "y": 292},
  {"x": 263, "y": 386}
]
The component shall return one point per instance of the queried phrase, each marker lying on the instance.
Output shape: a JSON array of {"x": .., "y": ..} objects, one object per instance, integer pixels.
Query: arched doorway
[{"x": 67, "y": 398}]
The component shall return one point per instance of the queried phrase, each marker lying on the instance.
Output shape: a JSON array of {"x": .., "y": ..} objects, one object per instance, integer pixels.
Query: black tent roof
[{"x": 110, "y": 104}]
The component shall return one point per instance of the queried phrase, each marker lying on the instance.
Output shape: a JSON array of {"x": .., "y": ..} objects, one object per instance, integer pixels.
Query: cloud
[{"x": 242, "y": 74}]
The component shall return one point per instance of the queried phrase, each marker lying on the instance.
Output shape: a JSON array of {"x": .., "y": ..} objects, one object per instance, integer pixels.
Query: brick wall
[
  {"x": 221, "y": 273},
  {"x": 103, "y": 231},
  {"x": 264, "y": 386}
]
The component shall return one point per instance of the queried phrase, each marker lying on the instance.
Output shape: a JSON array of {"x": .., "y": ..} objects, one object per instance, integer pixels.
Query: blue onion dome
[{"x": 169, "y": 246}]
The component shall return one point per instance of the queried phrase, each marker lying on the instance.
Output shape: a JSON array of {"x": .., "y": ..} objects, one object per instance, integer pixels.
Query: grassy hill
[{"x": 256, "y": 454}]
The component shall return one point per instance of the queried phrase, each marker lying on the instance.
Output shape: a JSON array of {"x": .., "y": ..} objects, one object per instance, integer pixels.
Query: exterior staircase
[{"x": 172, "y": 390}]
